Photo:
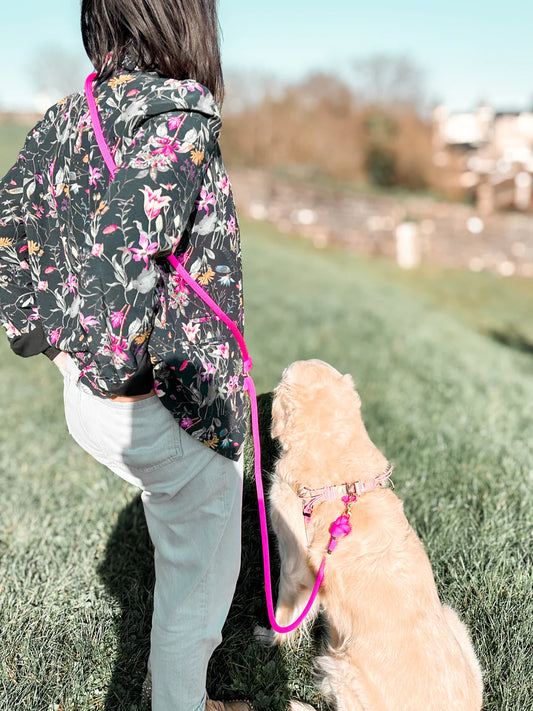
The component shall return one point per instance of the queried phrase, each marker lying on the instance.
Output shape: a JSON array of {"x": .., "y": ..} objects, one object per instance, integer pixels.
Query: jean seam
[{"x": 149, "y": 469}]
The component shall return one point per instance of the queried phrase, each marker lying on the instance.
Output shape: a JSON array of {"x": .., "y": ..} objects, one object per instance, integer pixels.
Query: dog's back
[
  {"x": 393, "y": 643},
  {"x": 394, "y": 647}
]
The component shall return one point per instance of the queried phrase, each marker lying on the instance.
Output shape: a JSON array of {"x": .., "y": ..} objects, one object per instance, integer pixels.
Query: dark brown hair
[{"x": 177, "y": 38}]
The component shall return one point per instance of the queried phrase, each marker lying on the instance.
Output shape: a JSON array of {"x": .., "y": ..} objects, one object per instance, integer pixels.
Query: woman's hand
[{"x": 61, "y": 360}]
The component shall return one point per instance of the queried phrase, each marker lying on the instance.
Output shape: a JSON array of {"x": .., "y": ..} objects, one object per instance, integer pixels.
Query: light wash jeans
[{"x": 192, "y": 502}]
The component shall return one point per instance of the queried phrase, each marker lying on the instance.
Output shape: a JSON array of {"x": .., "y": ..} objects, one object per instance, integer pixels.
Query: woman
[{"x": 153, "y": 383}]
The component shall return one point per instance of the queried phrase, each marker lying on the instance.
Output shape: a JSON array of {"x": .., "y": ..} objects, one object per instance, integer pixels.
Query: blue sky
[{"x": 470, "y": 50}]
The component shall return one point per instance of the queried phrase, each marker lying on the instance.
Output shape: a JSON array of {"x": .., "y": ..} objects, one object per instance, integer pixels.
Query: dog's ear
[
  {"x": 349, "y": 384},
  {"x": 279, "y": 414}
]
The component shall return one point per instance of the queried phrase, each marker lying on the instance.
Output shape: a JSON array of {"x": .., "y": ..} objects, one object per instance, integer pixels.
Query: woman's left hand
[{"x": 61, "y": 360}]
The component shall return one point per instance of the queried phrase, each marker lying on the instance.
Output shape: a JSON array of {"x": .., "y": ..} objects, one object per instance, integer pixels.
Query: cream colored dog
[{"x": 393, "y": 645}]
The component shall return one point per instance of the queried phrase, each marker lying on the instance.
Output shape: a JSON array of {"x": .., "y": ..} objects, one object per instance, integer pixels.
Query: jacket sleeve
[
  {"x": 155, "y": 191},
  {"x": 18, "y": 311}
]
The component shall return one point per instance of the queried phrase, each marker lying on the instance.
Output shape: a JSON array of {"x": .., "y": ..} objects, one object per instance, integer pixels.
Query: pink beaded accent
[{"x": 339, "y": 528}]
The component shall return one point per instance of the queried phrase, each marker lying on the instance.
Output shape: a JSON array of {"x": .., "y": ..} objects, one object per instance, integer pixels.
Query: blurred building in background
[{"x": 487, "y": 155}]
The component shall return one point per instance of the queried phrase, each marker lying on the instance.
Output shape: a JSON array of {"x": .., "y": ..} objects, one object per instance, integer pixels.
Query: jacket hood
[{"x": 130, "y": 97}]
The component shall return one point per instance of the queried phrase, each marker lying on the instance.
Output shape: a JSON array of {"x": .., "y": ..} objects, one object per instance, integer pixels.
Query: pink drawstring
[
  {"x": 248, "y": 387},
  {"x": 97, "y": 127}
]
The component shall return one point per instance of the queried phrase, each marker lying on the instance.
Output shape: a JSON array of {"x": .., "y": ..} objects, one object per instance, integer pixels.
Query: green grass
[
  {"x": 496, "y": 306},
  {"x": 446, "y": 400},
  {"x": 12, "y": 136}
]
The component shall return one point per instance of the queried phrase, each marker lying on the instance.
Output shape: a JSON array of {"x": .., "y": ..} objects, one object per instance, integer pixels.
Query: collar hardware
[{"x": 347, "y": 492}]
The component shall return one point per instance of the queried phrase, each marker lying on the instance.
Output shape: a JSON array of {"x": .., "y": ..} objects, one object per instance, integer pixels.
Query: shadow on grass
[
  {"x": 512, "y": 338},
  {"x": 128, "y": 574},
  {"x": 240, "y": 667}
]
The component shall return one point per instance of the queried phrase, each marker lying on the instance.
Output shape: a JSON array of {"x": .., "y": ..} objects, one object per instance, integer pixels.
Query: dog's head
[
  {"x": 312, "y": 397},
  {"x": 316, "y": 415}
]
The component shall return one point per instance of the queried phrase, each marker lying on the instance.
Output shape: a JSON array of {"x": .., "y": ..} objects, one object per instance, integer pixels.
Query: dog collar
[{"x": 348, "y": 492}]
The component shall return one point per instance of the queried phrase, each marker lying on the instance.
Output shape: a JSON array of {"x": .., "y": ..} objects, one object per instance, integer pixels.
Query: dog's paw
[
  {"x": 299, "y": 706},
  {"x": 265, "y": 636},
  {"x": 269, "y": 638}
]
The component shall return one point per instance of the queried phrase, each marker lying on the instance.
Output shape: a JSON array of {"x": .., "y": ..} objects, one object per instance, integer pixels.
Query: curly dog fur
[{"x": 393, "y": 645}]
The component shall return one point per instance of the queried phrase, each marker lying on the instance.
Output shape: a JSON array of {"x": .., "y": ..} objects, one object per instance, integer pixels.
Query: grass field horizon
[{"x": 443, "y": 361}]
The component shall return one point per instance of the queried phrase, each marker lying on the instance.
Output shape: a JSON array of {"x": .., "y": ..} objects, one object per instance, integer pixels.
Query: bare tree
[
  {"x": 247, "y": 88},
  {"x": 389, "y": 79}
]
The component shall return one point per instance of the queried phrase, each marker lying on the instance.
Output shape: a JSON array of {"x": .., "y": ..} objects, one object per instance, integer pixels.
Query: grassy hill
[
  {"x": 12, "y": 135},
  {"x": 448, "y": 402},
  {"x": 444, "y": 365}
]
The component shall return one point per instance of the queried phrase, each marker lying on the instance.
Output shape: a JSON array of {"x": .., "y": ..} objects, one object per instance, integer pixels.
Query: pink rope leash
[
  {"x": 249, "y": 387},
  {"x": 97, "y": 126}
]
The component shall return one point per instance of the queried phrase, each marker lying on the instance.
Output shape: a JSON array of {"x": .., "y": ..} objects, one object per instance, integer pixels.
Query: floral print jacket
[{"x": 82, "y": 258}]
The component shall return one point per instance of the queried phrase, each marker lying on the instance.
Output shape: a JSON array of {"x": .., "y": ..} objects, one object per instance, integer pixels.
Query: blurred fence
[{"x": 410, "y": 229}]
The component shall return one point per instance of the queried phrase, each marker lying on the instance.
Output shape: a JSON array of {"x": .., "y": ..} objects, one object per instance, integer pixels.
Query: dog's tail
[{"x": 299, "y": 706}]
